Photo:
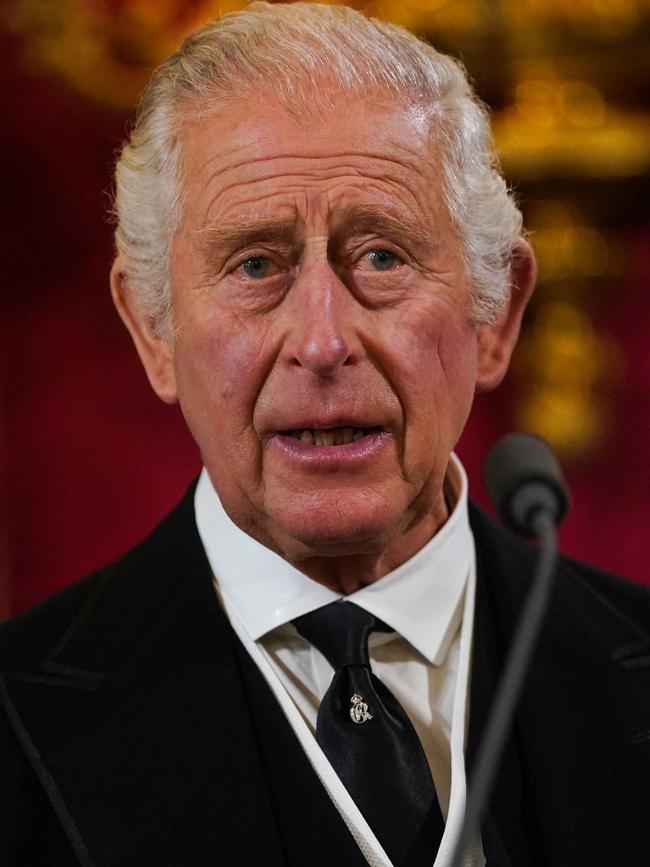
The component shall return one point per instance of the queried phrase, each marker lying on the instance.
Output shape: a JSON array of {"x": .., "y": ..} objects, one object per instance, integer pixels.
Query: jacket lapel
[
  {"x": 503, "y": 828},
  {"x": 139, "y": 724},
  {"x": 309, "y": 824}
]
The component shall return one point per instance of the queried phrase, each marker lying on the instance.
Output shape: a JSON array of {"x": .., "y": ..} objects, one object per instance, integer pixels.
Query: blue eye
[
  {"x": 382, "y": 260},
  {"x": 256, "y": 266}
]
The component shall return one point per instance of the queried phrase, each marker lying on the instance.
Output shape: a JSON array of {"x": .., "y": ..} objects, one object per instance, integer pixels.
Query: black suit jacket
[{"x": 136, "y": 731}]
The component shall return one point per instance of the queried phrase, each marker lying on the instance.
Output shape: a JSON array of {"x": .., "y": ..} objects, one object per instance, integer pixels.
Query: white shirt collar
[{"x": 421, "y": 599}]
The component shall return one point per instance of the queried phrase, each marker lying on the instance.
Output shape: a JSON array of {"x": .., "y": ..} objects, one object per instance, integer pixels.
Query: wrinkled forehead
[{"x": 254, "y": 153}]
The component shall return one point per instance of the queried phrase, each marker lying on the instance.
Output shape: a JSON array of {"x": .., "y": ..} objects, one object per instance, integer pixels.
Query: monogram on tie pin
[{"x": 359, "y": 710}]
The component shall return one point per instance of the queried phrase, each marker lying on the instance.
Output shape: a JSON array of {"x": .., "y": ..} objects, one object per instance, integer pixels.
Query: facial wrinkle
[
  {"x": 330, "y": 164},
  {"x": 373, "y": 354},
  {"x": 397, "y": 181},
  {"x": 411, "y": 162},
  {"x": 345, "y": 187}
]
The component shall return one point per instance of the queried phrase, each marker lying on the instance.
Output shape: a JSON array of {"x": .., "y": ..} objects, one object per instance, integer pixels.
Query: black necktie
[{"x": 370, "y": 741}]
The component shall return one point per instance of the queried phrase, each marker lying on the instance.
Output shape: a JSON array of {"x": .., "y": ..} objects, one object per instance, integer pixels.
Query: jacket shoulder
[
  {"x": 28, "y": 637},
  {"x": 513, "y": 558}
]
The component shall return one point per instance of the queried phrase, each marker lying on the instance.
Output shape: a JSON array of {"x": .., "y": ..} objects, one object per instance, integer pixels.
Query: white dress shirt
[{"x": 428, "y": 601}]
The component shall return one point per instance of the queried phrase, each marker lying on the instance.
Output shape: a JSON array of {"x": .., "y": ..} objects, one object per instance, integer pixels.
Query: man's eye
[
  {"x": 382, "y": 260},
  {"x": 256, "y": 267}
]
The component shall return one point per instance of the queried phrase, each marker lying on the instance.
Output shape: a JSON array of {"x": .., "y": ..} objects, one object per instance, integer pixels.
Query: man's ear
[
  {"x": 496, "y": 340},
  {"x": 156, "y": 353}
]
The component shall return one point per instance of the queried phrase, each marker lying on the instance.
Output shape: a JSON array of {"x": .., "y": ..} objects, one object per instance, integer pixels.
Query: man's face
[{"x": 324, "y": 357}]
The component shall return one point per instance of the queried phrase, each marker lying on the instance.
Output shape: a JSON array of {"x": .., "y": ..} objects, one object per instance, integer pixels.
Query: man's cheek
[
  {"x": 436, "y": 385},
  {"x": 229, "y": 366},
  {"x": 446, "y": 353}
]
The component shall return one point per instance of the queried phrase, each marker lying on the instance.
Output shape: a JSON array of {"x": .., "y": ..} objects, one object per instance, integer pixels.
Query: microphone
[
  {"x": 523, "y": 477},
  {"x": 526, "y": 486}
]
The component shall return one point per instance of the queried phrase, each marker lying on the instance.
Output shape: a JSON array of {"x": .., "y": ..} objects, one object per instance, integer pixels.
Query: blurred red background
[{"x": 90, "y": 460}]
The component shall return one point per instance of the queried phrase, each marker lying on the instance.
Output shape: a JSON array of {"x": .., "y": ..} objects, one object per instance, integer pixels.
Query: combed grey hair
[{"x": 291, "y": 51}]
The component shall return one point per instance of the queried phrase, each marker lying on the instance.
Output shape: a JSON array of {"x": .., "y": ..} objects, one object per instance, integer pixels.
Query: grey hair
[{"x": 291, "y": 50}]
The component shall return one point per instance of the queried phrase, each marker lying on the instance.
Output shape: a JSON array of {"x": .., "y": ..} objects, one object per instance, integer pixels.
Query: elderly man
[{"x": 318, "y": 259}]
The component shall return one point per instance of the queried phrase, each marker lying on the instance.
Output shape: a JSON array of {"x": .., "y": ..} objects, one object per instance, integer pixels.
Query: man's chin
[{"x": 334, "y": 534}]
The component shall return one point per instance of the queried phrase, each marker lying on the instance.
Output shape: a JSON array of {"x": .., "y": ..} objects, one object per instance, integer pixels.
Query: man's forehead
[
  {"x": 243, "y": 137},
  {"x": 256, "y": 158}
]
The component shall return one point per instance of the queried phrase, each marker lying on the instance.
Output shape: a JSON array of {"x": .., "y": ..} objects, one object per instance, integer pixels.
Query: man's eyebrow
[
  {"x": 221, "y": 239},
  {"x": 224, "y": 238},
  {"x": 373, "y": 218}
]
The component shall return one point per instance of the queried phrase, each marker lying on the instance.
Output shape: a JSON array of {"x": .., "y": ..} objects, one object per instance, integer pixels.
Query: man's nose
[{"x": 323, "y": 335}]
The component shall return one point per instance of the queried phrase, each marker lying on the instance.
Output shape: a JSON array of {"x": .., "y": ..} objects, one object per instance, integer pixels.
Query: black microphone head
[{"x": 522, "y": 477}]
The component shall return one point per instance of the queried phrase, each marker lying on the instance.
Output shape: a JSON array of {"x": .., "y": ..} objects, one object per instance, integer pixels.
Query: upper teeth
[{"x": 336, "y": 436}]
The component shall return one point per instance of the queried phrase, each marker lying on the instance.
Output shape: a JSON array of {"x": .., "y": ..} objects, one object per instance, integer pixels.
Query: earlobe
[
  {"x": 497, "y": 340},
  {"x": 156, "y": 353}
]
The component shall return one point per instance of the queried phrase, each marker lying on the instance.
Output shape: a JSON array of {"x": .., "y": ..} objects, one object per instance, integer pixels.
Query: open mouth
[{"x": 336, "y": 436}]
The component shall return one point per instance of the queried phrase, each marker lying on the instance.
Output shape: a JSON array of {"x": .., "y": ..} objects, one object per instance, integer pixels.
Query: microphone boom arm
[{"x": 505, "y": 702}]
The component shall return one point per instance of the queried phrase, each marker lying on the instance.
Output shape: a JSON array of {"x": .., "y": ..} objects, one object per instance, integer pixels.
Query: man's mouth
[{"x": 335, "y": 436}]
